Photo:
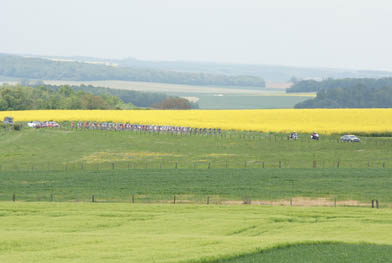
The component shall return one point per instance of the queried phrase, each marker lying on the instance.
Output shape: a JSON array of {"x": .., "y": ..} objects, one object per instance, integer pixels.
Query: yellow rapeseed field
[{"x": 282, "y": 120}]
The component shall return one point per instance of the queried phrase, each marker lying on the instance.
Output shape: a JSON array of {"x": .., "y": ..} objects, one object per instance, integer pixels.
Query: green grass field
[
  {"x": 69, "y": 166},
  {"x": 196, "y": 185},
  {"x": 50, "y": 149},
  {"x": 249, "y": 102},
  {"x": 87, "y": 232},
  {"x": 319, "y": 253}
]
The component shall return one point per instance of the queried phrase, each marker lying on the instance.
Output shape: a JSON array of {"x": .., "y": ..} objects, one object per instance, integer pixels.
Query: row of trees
[
  {"x": 84, "y": 97},
  {"x": 174, "y": 103},
  {"x": 315, "y": 86},
  {"x": 26, "y": 98},
  {"x": 357, "y": 96},
  {"x": 44, "y": 69},
  {"x": 137, "y": 98}
]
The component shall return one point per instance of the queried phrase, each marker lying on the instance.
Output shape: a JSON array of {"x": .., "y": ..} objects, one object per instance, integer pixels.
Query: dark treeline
[
  {"x": 137, "y": 98},
  {"x": 34, "y": 98},
  {"x": 315, "y": 86},
  {"x": 357, "y": 96},
  {"x": 44, "y": 69},
  {"x": 175, "y": 103},
  {"x": 81, "y": 97}
]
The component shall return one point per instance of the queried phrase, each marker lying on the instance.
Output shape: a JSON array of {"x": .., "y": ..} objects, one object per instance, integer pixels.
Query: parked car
[
  {"x": 53, "y": 124},
  {"x": 349, "y": 138},
  {"x": 8, "y": 120},
  {"x": 34, "y": 124}
]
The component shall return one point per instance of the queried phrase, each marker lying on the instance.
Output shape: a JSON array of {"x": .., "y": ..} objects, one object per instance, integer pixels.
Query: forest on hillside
[
  {"x": 315, "y": 86},
  {"x": 45, "y": 69},
  {"x": 357, "y": 96}
]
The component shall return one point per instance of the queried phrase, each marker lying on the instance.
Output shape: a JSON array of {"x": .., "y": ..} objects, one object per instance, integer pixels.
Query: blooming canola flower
[{"x": 327, "y": 121}]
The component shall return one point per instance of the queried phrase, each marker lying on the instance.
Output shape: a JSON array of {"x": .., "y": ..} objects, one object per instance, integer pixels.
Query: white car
[
  {"x": 349, "y": 138},
  {"x": 34, "y": 124}
]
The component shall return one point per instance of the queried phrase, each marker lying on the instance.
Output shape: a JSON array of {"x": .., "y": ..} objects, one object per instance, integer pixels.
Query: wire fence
[
  {"x": 199, "y": 200},
  {"x": 190, "y": 164}
]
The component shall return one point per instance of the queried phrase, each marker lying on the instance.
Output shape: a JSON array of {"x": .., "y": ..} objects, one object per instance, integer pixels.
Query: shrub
[{"x": 17, "y": 126}]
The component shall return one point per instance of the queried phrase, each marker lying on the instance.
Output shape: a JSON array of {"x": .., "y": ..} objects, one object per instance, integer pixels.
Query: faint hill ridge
[
  {"x": 270, "y": 73},
  {"x": 63, "y": 68}
]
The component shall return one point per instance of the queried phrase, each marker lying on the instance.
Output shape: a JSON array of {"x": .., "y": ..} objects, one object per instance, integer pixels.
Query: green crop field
[
  {"x": 181, "y": 198},
  {"x": 304, "y": 186},
  {"x": 318, "y": 253},
  {"x": 62, "y": 149},
  {"x": 87, "y": 232},
  {"x": 249, "y": 101}
]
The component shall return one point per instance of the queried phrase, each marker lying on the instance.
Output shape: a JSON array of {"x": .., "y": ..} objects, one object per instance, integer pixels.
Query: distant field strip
[
  {"x": 160, "y": 87},
  {"x": 326, "y": 121}
]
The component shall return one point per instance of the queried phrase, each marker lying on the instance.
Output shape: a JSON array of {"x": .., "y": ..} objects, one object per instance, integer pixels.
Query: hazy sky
[{"x": 328, "y": 33}]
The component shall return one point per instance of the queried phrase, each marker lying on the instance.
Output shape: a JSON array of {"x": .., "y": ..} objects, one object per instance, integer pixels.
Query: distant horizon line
[{"x": 196, "y": 62}]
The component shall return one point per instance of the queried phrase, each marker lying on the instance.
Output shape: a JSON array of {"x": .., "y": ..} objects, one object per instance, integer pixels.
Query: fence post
[
  {"x": 92, "y": 199},
  {"x": 314, "y": 164},
  {"x": 208, "y": 200},
  {"x": 334, "y": 202},
  {"x": 383, "y": 165},
  {"x": 291, "y": 201},
  {"x": 112, "y": 166},
  {"x": 338, "y": 164},
  {"x": 372, "y": 203},
  {"x": 176, "y": 165},
  {"x": 263, "y": 164},
  {"x": 209, "y": 165},
  {"x": 13, "y": 197},
  {"x": 174, "y": 199},
  {"x": 377, "y": 204}
]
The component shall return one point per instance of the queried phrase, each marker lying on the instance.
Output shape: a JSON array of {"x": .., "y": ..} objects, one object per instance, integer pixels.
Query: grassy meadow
[
  {"x": 66, "y": 149},
  {"x": 86, "y": 232},
  {"x": 220, "y": 186},
  {"x": 135, "y": 176}
]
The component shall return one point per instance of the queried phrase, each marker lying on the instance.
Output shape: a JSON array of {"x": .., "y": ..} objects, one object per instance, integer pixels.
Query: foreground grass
[
  {"x": 86, "y": 232},
  {"x": 319, "y": 253},
  {"x": 51, "y": 149},
  {"x": 152, "y": 185}
]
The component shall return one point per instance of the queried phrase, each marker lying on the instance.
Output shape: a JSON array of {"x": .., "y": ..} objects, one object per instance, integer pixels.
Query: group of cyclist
[{"x": 139, "y": 127}]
